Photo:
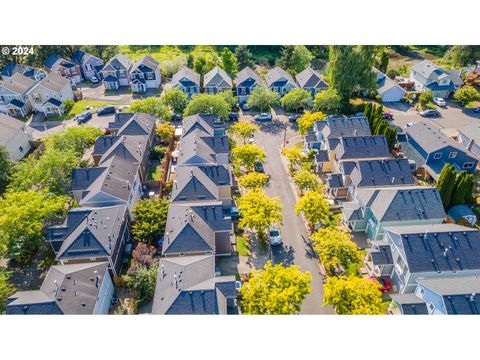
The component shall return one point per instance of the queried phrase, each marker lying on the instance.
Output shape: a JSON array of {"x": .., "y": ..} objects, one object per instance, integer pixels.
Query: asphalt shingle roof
[
  {"x": 362, "y": 147},
  {"x": 310, "y": 78},
  {"x": 217, "y": 77},
  {"x": 336, "y": 127},
  {"x": 17, "y": 83},
  {"x": 249, "y": 74},
  {"x": 385, "y": 172},
  {"x": 276, "y": 74},
  {"x": 187, "y": 73},
  {"x": 10, "y": 126}
]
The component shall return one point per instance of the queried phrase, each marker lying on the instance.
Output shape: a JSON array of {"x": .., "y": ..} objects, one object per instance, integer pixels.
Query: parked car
[
  {"x": 384, "y": 283},
  {"x": 123, "y": 107},
  {"x": 387, "y": 116},
  {"x": 94, "y": 80},
  {"x": 233, "y": 116},
  {"x": 259, "y": 167},
  {"x": 430, "y": 113},
  {"x": 476, "y": 109},
  {"x": 105, "y": 110},
  {"x": 251, "y": 140},
  {"x": 263, "y": 117},
  {"x": 274, "y": 236},
  {"x": 84, "y": 117},
  {"x": 294, "y": 118},
  {"x": 234, "y": 213},
  {"x": 409, "y": 124},
  {"x": 439, "y": 101},
  {"x": 245, "y": 107}
]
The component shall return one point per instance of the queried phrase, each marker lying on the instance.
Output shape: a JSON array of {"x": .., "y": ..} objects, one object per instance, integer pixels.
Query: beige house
[
  {"x": 49, "y": 94},
  {"x": 13, "y": 95},
  {"x": 15, "y": 137}
]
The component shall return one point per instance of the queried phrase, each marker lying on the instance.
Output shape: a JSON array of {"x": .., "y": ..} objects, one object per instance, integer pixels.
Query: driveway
[
  {"x": 97, "y": 93},
  {"x": 296, "y": 248}
]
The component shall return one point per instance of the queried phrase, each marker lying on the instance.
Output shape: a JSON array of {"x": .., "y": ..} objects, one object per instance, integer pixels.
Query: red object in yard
[
  {"x": 387, "y": 115},
  {"x": 383, "y": 283},
  {"x": 107, "y": 132}
]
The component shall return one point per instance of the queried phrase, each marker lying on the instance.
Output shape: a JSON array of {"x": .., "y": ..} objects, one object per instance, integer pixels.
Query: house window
[
  {"x": 437, "y": 156},
  {"x": 431, "y": 308},
  {"x": 422, "y": 292},
  {"x": 452, "y": 155},
  {"x": 468, "y": 165},
  {"x": 150, "y": 76}
]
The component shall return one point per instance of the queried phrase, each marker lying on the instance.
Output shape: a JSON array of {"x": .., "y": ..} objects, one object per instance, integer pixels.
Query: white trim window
[
  {"x": 431, "y": 308},
  {"x": 468, "y": 165},
  {"x": 437, "y": 156},
  {"x": 452, "y": 155}
]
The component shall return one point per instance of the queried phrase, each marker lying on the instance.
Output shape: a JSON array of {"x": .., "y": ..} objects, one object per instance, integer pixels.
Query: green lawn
[
  {"x": 242, "y": 246},
  {"x": 80, "y": 106}
]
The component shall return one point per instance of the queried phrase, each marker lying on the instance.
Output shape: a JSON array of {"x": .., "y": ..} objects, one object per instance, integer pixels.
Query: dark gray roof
[
  {"x": 322, "y": 156},
  {"x": 385, "y": 172},
  {"x": 208, "y": 123},
  {"x": 197, "y": 148},
  {"x": 89, "y": 232},
  {"x": 338, "y": 126},
  {"x": 217, "y": 77},
  {"x": 441, "y": 247},
  {"x": 248, "y": 73},
  {"x": 278, "y": 73},
  {"x": 410, "y": 304},
  {"x": 187, "y": 285},
  {"x": 335, "y": 181},
  {"x": 119, "y": 62},
  {"x": 459, "y": 211},
  {"x": 133, "y": 124},
  {"x": 310, "y": 78},
  {"x": 403, "y": 203},
  {"x": 362, "y": 147},
  {"x": 381, "y": 254},
  {"x": 187, "y": 73},
  {"x": 68, "y": 289},
  {"x": 133, "y": 148},
  {"x": 145, "y": 64},
  {"x": 351, "y": 211}
]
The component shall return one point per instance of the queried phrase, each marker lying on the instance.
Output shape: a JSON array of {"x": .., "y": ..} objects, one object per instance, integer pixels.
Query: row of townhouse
[
  {"x": 277, "y": 79},
  {"x": 433, "y": 266},
  {"x": 89, "y": 245},
  {"x": 198, "y": 228}
]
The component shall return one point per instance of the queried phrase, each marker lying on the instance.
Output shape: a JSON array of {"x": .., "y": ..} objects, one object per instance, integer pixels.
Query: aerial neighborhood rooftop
[{"x": 193, "y": 184}]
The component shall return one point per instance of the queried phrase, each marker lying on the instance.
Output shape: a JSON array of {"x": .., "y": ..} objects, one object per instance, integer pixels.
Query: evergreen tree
[
  {"x": 470, "y": 183},
  {"x": 446, "y": 183},
  {"x": 229, "y": 62},
  {"x": 368, "y": 110},
  {"x": 460, "y": 189},
  {"x": 244, "y": 57}
]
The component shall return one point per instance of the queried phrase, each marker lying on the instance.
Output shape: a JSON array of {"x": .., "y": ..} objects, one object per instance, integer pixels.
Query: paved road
[{"x": 296, "y": 247}]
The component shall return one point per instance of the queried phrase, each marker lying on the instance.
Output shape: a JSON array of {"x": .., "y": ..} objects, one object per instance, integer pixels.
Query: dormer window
[
  {"x": 452, "y": 155},
  {"x": 437, "y": 156}
]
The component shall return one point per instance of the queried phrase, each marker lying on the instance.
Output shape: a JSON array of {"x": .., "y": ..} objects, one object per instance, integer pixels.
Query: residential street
[{"x": 296, "y": 247}]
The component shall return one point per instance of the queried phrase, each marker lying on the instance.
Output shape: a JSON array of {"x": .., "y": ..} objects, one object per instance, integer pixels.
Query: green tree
[
  {"x": 336, "y": 249},
  {"x": 76, "y": 139},
  {"x": 463, "y": 55},
  {"x": 150, "y": 219},
  {"x": 176, "y": 99},
  {"x": 243, "y": 129},
  {"x": 204, "y": 63},
  {"x": 353, "y": 296},
  {"x": 327, "y": 101},
  {"x": 469, "y": 194},
  {"x": 446, "y": 183},
  {"x": 466, "y": 94},
  {"x": 350, "y": 69},
  {"x": 263, "y": 98},
  {"x": 153, "y": 106},
  {"x": 295, "y": 58},
  {"x": 314, "y": 207},
  {"x": 425, "y": 98},
  {"x": 381, "y": 59},
  {"x": 296, "y": 99},
  {"x": 5, "y": 168},
  {"x": 306, "y": 180},
  {"x": 6, "y": 289},
  {"x": 142, "y": 282},
  {"x": 229, "y": 98},
  {"x": 253, "y": 180},
  {"x": 208, "y": 104},
  {"x": 460, "y": 189},
  {"x": 244, "y": 57},
  {"x": 229, "y": 62},
  {"x": 306, "y": 121},
  {"x": 259, "y": 212},
  {"x": 294, "y": 156},
  {"x": 247, "y": 155},
  {"x": 391, "y": 136},
  {"x": 23, "y": 217},
  {"x": 165, "y": 131},
  {"x": 276, "y": 290}
]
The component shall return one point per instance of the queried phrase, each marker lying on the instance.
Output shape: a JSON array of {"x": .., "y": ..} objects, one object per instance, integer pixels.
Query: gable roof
[
  {"x": 89, "y": 232},
  {"x": 362, "y": 147},
  {"x": 441, "y": 247},
  {"x": 384, "y": 172},
  {"x": 10, "y": 126},
  {"x": 187, "y": 285},
  {"x": 208, "y": 123},
  {"x": 410, "y": 304},
  {"x": 68, "y": 289},
  {"x": 119, "y": 62},
  {"x": 217, "y": 77},
  {"x": 81, "y": 57},
  {"x": 403, "y": 203},
  {"x": 146, "y": 64},
  {"x": 310, "y": 78},
  {"x": 53, "y": 82},
  {"x": 472, "y": 132},
  {"x": 187, "y": 73},
  {"x": 17, "y": 83},
  {"x": 249, "y": 75},
  {"x": 384, "y": 83},
  {"x": 133, "y": 124},
  {"x": 199, "y": 148},
  {"x": 276, "y": 74},
  {"x": 51, "y": 60},
  {"x": 129, "y": 147},
  {"x": 338, "y": 126},
  {"x": 425, "y": 68}
]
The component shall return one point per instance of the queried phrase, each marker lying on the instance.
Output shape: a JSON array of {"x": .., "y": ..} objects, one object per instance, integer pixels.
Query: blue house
[
  {"x": 90, "y": 65},
  {"x": 311, "y": 81},
  {"x": 431, "y": 149},
  {"x": 280, "y": 81},
  {"x": 374, "y": 209},
  {"x": 245, "y": 81},
  {"x": 216, "y": 81},
  {"x": 427, "y": 251},
  {"x": 187, "y": 80}
]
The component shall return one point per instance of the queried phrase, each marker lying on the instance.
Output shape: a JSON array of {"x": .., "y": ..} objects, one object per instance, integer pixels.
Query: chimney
[
  {"x": 393, "y": 180},
  {"x": 163, "y": 270},
  {"x": 56, "y": 286},
  {"x": 191, "y": 172},
  {"x": 175, "y": 280},
  {"x": 470, "y": 144}
]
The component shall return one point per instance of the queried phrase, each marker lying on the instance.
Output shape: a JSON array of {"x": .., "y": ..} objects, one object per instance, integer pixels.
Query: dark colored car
[
  {"x": 84, "y": 117},
  {"x": 476, "y": 109},
  {"x": 233, "y": 116},
  {"x": 387, "y": 116},
  {"x": 383, "y": 282},
  {"x": 105, "y": 110},
  {"x": 430, "y": 113},
  {"x": 259, "y": 167},
  {"x": 263, "y": 117},
  {"x": 294, "y": 118},
  {"x": 234, "y": 213}
]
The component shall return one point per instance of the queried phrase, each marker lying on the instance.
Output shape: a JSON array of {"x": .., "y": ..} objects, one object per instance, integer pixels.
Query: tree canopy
[
  {"x": 253, "y": 180},
  {"x": 464, "y": 55},
  {"x": 247, "y": 155},
  {"x": 295, "y": 157},
  {"x": 6, "y": 289},
  {"x": 296, "y": 99},
  {"x": 314, "y": 206},
  {"x": 466, "y": 94},
  {"x": 295, "y": 58},
  {"x": 306, "y": 180},
  {"x": 229, "y": 61},
  {"x": 5, "y": 169},
  {"x": 244, "y": 57},
  {"x": 208, "y": 104},
  {"x": 150, "y": 219},
  {"x": 176, "y": 100},
  {"x": 327, "y": 101},
  {"x": 243, "y": 129},
  {"x": 153, "y": 106},
  {"x": 306, "y": 121},
  {"x": 263, "y": 98},
  {"x": 353, "y": 296},
  {"x": 446, "y": 183},
  {"x": 76, "y": 139},
  {"x": 259, "y": 212},
  {"x": 165, "y": 131},
  {"x": 275, "y": 290}
]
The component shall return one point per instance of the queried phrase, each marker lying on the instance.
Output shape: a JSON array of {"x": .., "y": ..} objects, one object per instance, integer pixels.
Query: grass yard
[
  {"x": 242, "y": 246},
  {"x": 80, "y": 106}
]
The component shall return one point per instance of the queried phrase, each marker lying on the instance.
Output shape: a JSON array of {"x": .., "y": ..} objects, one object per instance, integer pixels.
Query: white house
[
  {"x": 15, "y": 136},
  {"x": 387, "y": 88},
  {"x": 280, "y": 81},
  {"x": 48, "y": 95},
  {"x": 145, "y": 74},
  {"x": 428, "y": 76},
  {"x": 13, "y": 95}
]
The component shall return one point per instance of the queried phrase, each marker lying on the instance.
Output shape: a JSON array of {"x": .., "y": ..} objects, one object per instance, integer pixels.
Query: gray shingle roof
[
  {"x": 68, "y": 289},
  {"x": 310, "y": 78},
  {"x": 17, "y": 83},
  {"x": 472, "y": 132},
  {"x": 336, "y": 127},
  {"x": 133, "y": 148},
  {"x": 278, "y": 73},
  {"x": 187, "y": 73},
  {"x": 206, "y": 122},
  {"x": 403, "y": 203},
  {"x": 362, "y": 147},
  {"x": 441, "y": 247},
  {"x": 458, "y": 285},
  {"x": 187, "y": 285},
  {"x": 322, "y": 156},
  {"x": 410, "y": 304},
  {"x": 335, "y": 181},
  {"x": 381, "y": 254},
  {"x": 146, "y": 63},
  {"x": 10, "y": 126},
  {"x": 217, "y": 77},
  {"x": 53, "y": 82},
  {"x": 384, "y": 83},
  {"x": 119, "y": 62},
  {"x": 385, "y": 172},
  {"x": 197, "y": 148},
  {"x": 248, "y": 73},
  {"x": 425, "y": 68}
]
